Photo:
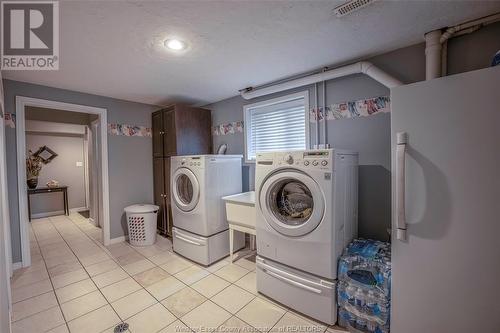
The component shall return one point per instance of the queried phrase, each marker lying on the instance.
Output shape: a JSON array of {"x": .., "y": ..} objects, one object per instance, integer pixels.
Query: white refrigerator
[{"x": 446, "y": 204}]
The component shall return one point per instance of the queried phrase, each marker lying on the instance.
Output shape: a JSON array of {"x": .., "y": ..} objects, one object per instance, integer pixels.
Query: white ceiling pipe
[
  {"x": 474, "y": 24},
  {"x": 434, "y": 37},
  {"x": 362, "y": 67},
  {"x": 316, "y": 103},
  {"x": 433, "y": 54},
  {"x": 325, "y": 114}
]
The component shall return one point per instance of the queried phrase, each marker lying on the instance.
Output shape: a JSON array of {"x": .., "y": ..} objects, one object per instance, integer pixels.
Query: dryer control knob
[
  {"x": 324, "y": 163},
  {"x": 315, "y": 162},
  {"x": 306, "y": 163},
  {"x": 288, "y": 159}
]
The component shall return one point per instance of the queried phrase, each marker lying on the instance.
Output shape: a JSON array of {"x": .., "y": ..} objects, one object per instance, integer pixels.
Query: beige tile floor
[{"x": 75, "y": 284}]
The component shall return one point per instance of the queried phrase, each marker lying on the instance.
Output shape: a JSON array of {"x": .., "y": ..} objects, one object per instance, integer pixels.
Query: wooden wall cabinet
[{"x": 177, "y": 130}]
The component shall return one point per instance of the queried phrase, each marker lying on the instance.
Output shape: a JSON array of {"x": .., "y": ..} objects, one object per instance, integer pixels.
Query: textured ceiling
[{"x": 114, "y": 48}]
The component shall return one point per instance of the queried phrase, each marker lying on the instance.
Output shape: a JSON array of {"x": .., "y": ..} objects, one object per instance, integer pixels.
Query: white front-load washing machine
[
  {"x": 306, "y": 206},
  {"x": 200, "y": 229}
]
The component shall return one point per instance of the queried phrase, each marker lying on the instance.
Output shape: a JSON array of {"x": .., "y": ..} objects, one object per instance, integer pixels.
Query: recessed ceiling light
[{"x": 175, "y": 44}]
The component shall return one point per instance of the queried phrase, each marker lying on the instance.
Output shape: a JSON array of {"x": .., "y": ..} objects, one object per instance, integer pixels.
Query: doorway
[
  {"x": 94, "y": 161},
  {"x": 97, "y": 146},
  {"x": 5, "y": 248}
]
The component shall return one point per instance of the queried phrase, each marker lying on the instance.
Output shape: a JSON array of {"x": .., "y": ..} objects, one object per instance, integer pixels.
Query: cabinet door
[
  {"x": 168, "y": 211},
  {"x": 168, "y": 219},
  {"x": 159, "y": 191},
  {"x": 169, "y": 137},
  {"x": 194, "y": 131},
  {"x": 157, "y": 128},
  {"x": 166, "y": 179}
]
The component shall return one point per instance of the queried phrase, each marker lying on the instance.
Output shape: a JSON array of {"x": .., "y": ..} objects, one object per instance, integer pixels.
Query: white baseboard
[
  {"x": 17, "y": 265},
  {"x": 57, "y": 212},
  {"x": 47, "y": 214},
  {"x": 91, "y": 220},
  {"x": 77, "y": 209},
  {"x": 120, "y": 239}
]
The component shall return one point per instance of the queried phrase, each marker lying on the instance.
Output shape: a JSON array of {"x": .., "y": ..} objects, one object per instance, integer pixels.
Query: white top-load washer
[
  {"x": 306, "y": 206},
  {"x": 198, "y": 183}
]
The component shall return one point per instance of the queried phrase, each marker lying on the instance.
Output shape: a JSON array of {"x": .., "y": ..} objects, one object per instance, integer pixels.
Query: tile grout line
[
  {"x": 210, "y": 298},
  {"x": 112, "y": 257},
  {"x": 50, "y": 279},
  {"x": 142, "y": 287},
  {"x": 77, "y": 258},
  {"x": 286, "y": 309},
  {"x": 90, "y": 277},
  {"x": 185, "y": 285}
]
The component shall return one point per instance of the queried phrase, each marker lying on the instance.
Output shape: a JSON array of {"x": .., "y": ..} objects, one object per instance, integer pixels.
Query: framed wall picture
[{"x": 46, "y": 154}]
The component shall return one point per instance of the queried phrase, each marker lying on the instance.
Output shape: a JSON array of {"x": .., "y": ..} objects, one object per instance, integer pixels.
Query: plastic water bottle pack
[
  {"x": 360, "y": 324},
  {"x": 355, "y": 299},
  {"x": 364, "y": 286},
  {"x": 367, "y": 263}
]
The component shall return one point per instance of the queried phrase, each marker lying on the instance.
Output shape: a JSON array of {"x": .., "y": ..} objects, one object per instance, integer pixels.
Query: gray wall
[
  {"x": 130, "y": 162},
  {"x": 69, "y": 150},
  {"x": 131, "y": 177},
  {"x": 369, "y": 136}
]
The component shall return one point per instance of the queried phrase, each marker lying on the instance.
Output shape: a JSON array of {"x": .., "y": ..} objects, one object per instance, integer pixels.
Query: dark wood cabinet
[
  {"x": 159, "y": 192},
  {"x": 157, "y": 134},
  {"x": 170, "y": 135},
  {"x": 177, "y": 130}
]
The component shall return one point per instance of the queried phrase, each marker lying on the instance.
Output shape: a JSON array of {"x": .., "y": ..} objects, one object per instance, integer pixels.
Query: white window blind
[{"x": 279, "y": 125}]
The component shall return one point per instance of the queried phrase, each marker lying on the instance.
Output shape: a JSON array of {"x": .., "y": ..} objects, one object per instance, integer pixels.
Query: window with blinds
[{"x": 276, "y": 125}]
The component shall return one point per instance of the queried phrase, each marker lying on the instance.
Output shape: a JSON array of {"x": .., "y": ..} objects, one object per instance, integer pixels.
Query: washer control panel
[
  {"x": 192, "y": 162},
  {"x": 288, "y": 159},
  {"x": 317, "y": 159}
]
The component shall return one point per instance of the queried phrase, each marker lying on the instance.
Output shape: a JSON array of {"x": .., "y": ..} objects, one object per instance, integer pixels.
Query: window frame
[{"x": 282, "y": 99}]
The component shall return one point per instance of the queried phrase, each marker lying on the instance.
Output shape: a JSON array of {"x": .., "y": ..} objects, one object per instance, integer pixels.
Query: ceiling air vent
[{"x": 351, "y": 6}]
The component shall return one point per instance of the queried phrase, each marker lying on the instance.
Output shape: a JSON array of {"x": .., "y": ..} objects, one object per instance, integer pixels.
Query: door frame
[
  {"x": 6, "y": 252},
  {"x": 87, "y": 165},
  {"x": 5, "y": 214},
  {"x": 21, "y": 103},
  {"x": 95, "y": 178}
]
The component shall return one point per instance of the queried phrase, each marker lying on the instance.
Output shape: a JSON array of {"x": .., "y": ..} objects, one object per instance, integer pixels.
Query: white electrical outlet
[{"x": 79, "y": 164}]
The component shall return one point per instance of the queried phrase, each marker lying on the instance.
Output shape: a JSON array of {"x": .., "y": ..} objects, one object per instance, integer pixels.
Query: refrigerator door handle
[{"x": 401, "y": 141}]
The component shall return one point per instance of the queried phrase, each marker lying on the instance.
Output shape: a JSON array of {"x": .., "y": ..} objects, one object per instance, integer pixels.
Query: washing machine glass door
[
  {"x": 292, "y": 203},
  {"x": 186, "y": 189}
]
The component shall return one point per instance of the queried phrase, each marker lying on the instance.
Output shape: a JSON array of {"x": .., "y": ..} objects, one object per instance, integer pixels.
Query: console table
[{"x": 63, "y": 189}]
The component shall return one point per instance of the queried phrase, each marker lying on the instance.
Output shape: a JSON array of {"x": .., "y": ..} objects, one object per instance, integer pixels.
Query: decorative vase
[{"x": 32, "y": 183}]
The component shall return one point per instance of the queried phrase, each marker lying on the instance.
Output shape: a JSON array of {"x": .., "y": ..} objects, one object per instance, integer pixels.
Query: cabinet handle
[{"x": 401, "y": 142}]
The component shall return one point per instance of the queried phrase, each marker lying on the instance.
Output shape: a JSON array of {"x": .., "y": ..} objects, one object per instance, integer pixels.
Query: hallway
[{"x": 75, "y": 284}]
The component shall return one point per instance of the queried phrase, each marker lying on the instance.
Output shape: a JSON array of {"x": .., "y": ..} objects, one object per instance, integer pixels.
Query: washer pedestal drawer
[
  {"x": 204, "y": 250},
  {"x": 303, "y": 292}
]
